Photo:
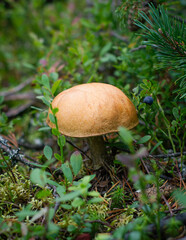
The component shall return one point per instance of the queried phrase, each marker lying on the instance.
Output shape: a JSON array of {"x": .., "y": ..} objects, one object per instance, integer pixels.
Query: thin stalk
[
  {"x": 60, "y": 145},
  {"x": 9, "y": 168},
  {"x": 167, "y": 125},
  {"x": 158, "y": 203},
  {"x": 156, "y": 138},
  {"x": 181, "y": 145}
]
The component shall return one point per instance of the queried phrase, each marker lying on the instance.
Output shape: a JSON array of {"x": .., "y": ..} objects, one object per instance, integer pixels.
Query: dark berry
[{"x": 148, "y": 100}]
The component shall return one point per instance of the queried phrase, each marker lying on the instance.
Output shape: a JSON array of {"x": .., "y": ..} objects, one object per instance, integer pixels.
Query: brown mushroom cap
[{"x": 93, "y": 109}]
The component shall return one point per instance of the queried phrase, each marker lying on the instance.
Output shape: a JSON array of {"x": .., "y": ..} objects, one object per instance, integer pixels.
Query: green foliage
[
  {"x": 67, "y": 172},
  {"x": 144, "y": 139},
  {"x": 126, "y": 137},
  {"x": 151, "y": 210},
  {"x": 181, "y": 197},
  {"x": 39, "y": 177},
  {"x": 168, "y": 36},
  {"x": 172, "y": 119},
  {"x": 118, "y": 198},
  {"x": 48, "y": 152},
  {"x": 76, "y": 162},
  {"x": 173, "y": 227}
]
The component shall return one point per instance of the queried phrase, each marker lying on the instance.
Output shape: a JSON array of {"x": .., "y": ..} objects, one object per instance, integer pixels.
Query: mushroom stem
[{"x": 98, "y": 151}]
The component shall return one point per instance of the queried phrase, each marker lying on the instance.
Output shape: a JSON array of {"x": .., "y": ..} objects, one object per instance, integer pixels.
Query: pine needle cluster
[{"x": 168, "y": 36}]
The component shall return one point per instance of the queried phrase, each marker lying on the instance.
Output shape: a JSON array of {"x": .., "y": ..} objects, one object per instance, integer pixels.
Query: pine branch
[{"x": 168, "y": 35}]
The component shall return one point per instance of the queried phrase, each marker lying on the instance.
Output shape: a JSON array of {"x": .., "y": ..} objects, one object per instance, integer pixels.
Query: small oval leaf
[
  {"x": 48, "y": 152},
  {"x": 67, "y": 172},
  {"x": 76, "y": 162},
  {"x": 144, "y": 139}
]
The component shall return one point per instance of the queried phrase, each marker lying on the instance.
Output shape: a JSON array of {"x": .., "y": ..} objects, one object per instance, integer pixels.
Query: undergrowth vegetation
[{"x": 48, "y": 188}]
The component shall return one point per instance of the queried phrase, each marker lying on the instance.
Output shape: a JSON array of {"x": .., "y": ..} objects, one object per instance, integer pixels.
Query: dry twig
[
  {"x": 167, "y": 155},
  {"x": 18, "y": 110},
  {"x": 15, "y": 154},
  {"x": 17, "y": 88}
]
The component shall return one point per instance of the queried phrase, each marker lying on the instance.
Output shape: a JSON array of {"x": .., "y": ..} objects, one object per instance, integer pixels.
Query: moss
[
  {"x": 15, "y": 195},
  {"x": 98, "y": 211},
  {"x": 124, "y": 218},
  {"x": 17, "y": 192}
]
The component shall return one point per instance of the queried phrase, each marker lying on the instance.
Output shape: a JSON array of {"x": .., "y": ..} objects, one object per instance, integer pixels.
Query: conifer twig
[{"x": 169, "y": 35}]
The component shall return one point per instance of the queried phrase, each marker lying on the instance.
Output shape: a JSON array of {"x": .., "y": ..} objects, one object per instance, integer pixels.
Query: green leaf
[
  {"x": 76, "y": 162},
  {"x": 67, "y": 172},
  {"x": 69, "y": 196},
  {"x": 53, "y": 229},
  {"x": 106, "y": 48},
  {"x": 71, "y": 228},
  {"x": 45, "y": 81},
  {"x": 135, "y": 235},
  {"x": 61, "y": 140},
  {"x": 42, "y": 194},
  {"x": 61, "y": 190},
  {"x": 93, "y": 194},
  {"x": 51, "y": 212},
  {"x": 144, "y": 139},
  {"x": 175, "y": 112},
  {"x": 147, "y": 83},
  {"x": 108, "y": 58},
  {"x": 88, "y": 62},
  {"x": 136, "y": 89},
  {"x": 28, "y": 65},
  {"x": 55, "y": 110},
  {"x": 77, "y": 202},
  {"x": 73, "y": 51},
  {"x": 38, "y": 176},
  {"x": 57, "y": 156},
  {"x": 54, "y": 76},
  {"x": 36, "y": 108},
  {"x": 52, "y": 118},
  {"x": 126, "y": 135},
  {"x": 55, "y": 132},
  {"x": 66, "y": 206},
  {"x": 51, "y": 182},
  {"x": 180, "y": 197},
  {"x": 48, "y": 152},
  {"x": 55, "y": 86},
  {"x": 44, "y": 129},
  {"x": 25, "y": 212},
  {"x": 156, "y": 146},
  {"x": 44, "y": 100},
  {"x": 95, "y": 200}
]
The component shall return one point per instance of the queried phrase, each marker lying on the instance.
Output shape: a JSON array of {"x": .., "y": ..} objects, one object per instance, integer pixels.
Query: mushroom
[{"x": 91, "y": 110}]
